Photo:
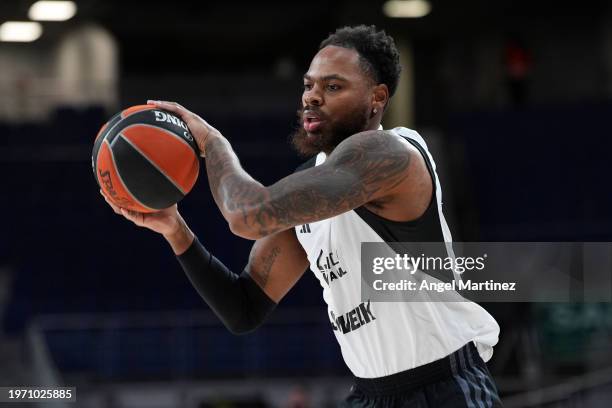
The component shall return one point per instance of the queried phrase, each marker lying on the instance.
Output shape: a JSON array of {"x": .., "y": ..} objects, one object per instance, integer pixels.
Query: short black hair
[{"x": 378, "y": 55}]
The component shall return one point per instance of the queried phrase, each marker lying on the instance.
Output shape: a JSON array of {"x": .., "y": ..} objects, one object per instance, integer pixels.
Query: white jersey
[{"x": 382, "y": 338}]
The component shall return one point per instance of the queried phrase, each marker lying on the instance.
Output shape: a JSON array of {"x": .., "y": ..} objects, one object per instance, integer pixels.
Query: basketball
[{"x": 145, "y": 159}]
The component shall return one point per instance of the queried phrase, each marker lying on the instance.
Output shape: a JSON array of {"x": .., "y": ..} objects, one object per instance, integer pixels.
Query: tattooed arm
[
  {"x": 366, "y": 167},
  {"x": 276, "y": 263}
]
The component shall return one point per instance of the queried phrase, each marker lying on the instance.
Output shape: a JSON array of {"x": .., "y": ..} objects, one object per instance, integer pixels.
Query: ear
[{"x": 380, "y": 97}]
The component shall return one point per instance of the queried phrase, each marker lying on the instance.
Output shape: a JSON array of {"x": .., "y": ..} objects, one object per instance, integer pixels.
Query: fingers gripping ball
[{"x": 145, "y": 159}]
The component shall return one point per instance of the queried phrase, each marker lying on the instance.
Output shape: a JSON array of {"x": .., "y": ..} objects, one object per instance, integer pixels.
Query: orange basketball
[{"x": 145, "y": 159}]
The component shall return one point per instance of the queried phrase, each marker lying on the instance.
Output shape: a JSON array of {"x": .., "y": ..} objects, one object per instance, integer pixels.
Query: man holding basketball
[{"x": 364, "y": 184}]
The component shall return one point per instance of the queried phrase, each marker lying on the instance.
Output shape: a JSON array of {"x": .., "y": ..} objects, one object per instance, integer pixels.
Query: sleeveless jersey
[{"x": 382, "y": 338}]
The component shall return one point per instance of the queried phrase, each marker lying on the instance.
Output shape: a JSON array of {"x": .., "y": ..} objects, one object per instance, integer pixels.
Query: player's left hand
[{"x": 199, "y": 128}]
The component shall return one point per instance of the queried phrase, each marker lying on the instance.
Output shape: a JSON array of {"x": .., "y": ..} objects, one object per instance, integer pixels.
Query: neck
[{"x": 373, "y": 124}]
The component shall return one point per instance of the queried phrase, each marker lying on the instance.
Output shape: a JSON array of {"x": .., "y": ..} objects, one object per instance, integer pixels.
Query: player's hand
[
  {"x": 199, "y": 128},
  {"x": 166, "y": 222}
]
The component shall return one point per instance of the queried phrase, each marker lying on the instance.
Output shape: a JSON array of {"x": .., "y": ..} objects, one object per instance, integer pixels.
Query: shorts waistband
[{"x": 410, "y": 380}]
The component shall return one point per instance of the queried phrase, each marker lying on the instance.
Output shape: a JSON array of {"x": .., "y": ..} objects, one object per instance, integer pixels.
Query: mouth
[{"x": 312, "y": 121}]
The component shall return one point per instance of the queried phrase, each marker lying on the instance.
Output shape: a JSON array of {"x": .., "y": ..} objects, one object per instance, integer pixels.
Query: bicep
[
  {"x": 276, "y": 263},
  {"x": 365, "y": 167}
]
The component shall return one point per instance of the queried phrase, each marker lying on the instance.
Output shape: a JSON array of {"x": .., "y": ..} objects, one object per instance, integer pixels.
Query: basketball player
[{"x": 363, "y": 184}]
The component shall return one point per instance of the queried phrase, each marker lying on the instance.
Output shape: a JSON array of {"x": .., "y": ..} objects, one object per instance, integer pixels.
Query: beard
[{"x": 331, "y": 133}]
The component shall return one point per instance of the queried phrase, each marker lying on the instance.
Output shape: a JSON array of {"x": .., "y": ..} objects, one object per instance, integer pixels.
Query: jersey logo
[
  {"x": 329, "y": 267},
  {"x": 305, "y": 229},
  {"x": 352, "y": 320}
]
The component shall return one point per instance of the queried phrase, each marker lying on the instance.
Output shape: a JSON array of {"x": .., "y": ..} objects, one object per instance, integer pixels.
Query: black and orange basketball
[{"x": 145, "y": 159}]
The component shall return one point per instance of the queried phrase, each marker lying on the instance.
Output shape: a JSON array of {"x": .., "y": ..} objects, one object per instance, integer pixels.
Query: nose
[{"x": 312, "y": 97}]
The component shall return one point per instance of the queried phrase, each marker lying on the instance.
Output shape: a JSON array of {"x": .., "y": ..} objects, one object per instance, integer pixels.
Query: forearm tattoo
[{"x": 261, "y": 272}]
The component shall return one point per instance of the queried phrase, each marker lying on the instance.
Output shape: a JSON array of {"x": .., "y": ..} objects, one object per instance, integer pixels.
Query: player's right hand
[{"x": 165, "y": 222}]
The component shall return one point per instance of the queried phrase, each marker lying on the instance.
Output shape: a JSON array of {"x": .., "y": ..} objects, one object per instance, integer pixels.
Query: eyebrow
[{"x": 327, "y": 77}]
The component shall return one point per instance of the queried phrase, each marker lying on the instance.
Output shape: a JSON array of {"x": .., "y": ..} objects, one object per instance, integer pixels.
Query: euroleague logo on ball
[{"x": 161, "y": 116}]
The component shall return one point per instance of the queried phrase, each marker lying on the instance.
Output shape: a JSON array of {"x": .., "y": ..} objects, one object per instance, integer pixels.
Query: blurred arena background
[{"x": 514, "y": 98}]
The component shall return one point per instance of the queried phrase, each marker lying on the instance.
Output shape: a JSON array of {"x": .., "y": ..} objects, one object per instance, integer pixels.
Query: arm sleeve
[{"x": 236, "y": 299}]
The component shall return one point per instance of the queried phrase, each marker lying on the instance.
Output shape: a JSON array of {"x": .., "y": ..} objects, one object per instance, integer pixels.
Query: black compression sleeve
[{"x": 236, "y": 299}]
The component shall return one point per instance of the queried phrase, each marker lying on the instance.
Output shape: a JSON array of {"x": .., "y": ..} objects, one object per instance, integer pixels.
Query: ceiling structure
[{"x": 231, "y": 36}]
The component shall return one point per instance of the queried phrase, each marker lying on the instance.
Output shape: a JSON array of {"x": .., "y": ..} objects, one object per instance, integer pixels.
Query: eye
[
  {"x": 307, "y": 87},
  {"x": 333, "y": 87}
]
